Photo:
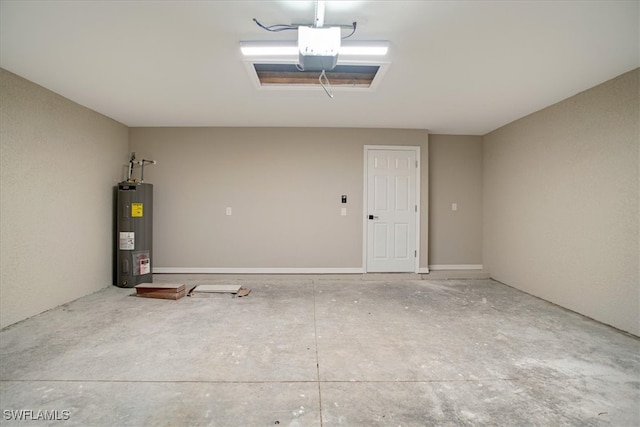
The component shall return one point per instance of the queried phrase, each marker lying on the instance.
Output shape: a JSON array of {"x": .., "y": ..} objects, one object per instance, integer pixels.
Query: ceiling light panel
[{"x": 290, "y": 48}]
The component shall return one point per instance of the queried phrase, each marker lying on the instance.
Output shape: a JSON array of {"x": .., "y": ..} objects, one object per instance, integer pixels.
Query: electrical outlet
[
  {"x": 454, "y": 206},
  {"x": 229, "y": 211}
]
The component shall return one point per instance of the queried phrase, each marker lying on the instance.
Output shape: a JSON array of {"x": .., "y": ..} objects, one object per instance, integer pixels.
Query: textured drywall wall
[
  {"x": 561, "y": 189},
  {"x": 284, "y": 186},
  {"x": 455, "y": 176},
  {"x": 59, "y": 163}
]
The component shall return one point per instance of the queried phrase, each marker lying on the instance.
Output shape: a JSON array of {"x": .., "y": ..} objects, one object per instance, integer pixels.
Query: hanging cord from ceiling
[
  {"x": 276, "y": 28},
  {"x": 326, "y": 85},
  {"x": 353, "y": 24}
]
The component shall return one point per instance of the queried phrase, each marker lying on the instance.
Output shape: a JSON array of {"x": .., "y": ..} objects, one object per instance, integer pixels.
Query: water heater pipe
[
  {"x": 142, "y": 163},
  {"x": 131, "y": 162}
]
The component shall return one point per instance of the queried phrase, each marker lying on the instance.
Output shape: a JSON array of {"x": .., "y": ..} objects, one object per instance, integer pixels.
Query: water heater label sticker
[
  {"x": 145, "y": 266},
  {"x": 142, "y": 263},
  {"x": 136, "y": 210},
  {"x": 127, "y": 241}
]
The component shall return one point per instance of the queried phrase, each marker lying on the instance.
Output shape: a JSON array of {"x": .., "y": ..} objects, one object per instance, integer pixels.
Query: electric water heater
[{"x": 134, "y": 234}]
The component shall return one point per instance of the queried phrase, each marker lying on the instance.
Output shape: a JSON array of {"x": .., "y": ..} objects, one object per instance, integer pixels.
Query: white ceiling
[{"x": 457, "y": 67}]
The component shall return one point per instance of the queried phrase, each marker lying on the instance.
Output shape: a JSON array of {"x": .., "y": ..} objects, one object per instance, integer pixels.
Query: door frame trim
[{"x": 365, "y": 198}]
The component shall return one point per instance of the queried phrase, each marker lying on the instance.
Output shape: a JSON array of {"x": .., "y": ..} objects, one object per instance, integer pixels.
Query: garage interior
[{"x": 522, "y": 302}]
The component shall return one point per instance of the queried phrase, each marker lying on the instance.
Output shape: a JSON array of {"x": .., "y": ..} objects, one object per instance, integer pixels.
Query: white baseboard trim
[
  {"x": 258, "y": 270},
  {"x": 423, "y": 270},
  {"x": 457, "y": 267}
]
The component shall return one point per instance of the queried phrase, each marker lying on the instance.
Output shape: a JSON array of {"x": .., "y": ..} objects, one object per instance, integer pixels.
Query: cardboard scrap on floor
[
  {"x": 243, "y": 292},
  {"x": 173, "y": 291},
  {"x": 209, "y": 290}
]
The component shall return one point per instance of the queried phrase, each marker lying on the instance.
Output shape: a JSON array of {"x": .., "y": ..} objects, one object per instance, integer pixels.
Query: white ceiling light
[
  {"x": 290, "y": 48},
  {"x": 317, "y": 48},
  {"x": 258, "y": 48}
]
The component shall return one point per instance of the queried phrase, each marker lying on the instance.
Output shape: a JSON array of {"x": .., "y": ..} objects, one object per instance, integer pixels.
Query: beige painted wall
[
  {"x": 561, "y": 189},
  {"x": 455, "y": 176},
  {"x": 283, "y": 185},
  {"x": 59, "y": 162}
]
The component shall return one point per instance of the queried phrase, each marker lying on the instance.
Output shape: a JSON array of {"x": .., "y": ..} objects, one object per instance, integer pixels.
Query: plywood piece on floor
[
  {"x": 232, "y": 289},
  {"x": 161, "y": 290}
]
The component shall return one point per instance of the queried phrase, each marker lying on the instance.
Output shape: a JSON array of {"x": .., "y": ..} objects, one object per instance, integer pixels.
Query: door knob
[{"x": 373, "y": 216}]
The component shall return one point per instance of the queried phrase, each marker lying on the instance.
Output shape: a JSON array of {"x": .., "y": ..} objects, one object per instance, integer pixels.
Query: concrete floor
[{"x": 320, "y": 351}]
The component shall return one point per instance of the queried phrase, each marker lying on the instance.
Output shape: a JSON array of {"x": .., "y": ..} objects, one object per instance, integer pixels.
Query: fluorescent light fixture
[
  {"x": 269, "y": 48},
  {"x": 290, "y": 48}
]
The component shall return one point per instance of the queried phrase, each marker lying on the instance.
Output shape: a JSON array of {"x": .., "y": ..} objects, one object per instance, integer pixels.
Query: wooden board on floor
[
  {"x": 163, "y": 295},
  {"x": 161, "y": 290}
]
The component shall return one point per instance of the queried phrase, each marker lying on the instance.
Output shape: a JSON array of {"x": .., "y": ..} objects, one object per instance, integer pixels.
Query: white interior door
[{"x": 392, "y": 210}]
